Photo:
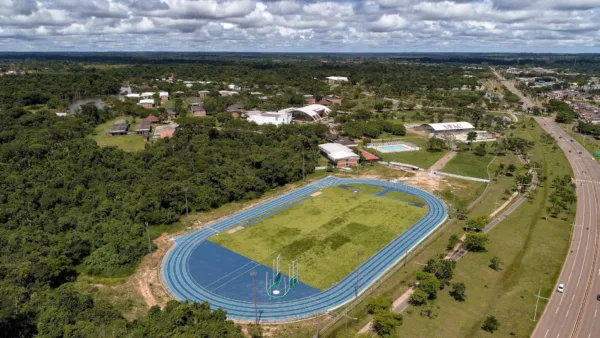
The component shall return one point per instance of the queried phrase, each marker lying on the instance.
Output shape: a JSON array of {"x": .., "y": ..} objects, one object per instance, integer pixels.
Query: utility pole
[
  {"x": 149, "y": 244},
  {"x": 358, "y": 252},
  {"x": 186, "y": 205},
  {"x": 536, "y": 303},
  {"x": 253, "y": 274},
  {"x": 303, "y": 163}
]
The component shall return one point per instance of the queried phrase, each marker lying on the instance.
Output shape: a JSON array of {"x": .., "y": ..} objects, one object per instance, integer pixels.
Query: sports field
[{"x": 325, "y": 232}]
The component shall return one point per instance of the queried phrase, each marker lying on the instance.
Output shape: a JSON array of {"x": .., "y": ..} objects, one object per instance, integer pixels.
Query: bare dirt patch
[
  {"x": 234, "y": 230},
  {"x": 315, "y": 194}
]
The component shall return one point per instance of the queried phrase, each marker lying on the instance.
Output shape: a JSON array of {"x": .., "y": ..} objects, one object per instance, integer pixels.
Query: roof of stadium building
[
  {"x": 449, "y": 126},
  {"x": 312, "y": 110}
]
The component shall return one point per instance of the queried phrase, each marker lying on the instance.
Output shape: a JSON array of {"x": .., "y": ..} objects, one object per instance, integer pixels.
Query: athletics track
[{"x": 182, "y": 273}]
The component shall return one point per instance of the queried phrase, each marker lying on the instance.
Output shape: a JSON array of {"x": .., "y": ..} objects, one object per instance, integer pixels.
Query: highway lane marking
[
  {"x": 568, "y": 311},
  {"x": 558, "y": 308},
  {"x": 546, "y": 333},
  {"x": 595, "y": 313}
]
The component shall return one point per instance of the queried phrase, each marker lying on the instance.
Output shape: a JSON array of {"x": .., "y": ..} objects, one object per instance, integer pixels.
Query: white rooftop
[
  {"x": 151, "y": 101},
  {"x": 144, "y": 94},
  {"x": 450, "y": 126},
  {"x": 336, "y": 151},
  {"x": 133, "y": 95},
  {"x": 337, "y": 78},
  {"x": 163, "y": 93}
]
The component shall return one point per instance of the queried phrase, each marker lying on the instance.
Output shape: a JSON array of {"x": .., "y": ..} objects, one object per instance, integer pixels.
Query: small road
[
  {"x": 441, "y": 163},
  {"x": 527, "y": 102},
  {"x": 574, "y": 313}
]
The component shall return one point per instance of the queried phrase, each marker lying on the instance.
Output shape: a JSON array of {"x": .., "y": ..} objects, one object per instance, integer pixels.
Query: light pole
[
  {"x": 253, "y": 274},
  {"x": 358, "y": 252},
  {"x": 149, "y": 244}
]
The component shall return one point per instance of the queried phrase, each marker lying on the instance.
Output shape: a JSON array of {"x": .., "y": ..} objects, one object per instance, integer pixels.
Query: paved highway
[{"x": 574, "y": 313}]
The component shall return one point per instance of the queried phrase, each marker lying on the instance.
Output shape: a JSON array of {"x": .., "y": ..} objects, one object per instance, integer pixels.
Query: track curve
[{"x": 178, "y": 280}]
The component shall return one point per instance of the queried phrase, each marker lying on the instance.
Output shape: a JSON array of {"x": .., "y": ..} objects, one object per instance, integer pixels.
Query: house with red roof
[{"x": 368, "y": 156}]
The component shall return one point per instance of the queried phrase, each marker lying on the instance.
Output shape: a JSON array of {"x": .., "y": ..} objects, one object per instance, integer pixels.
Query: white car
[{"x": 561, "y": 288}]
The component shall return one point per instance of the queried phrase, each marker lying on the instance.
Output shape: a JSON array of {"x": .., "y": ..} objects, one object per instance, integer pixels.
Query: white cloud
[
  {"x": 388, "y": 23},
  {"x": 301, "y": 25}
]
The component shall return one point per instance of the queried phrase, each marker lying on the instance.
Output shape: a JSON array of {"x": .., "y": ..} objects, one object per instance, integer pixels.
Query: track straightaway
[{"x": 180, "y": 283}]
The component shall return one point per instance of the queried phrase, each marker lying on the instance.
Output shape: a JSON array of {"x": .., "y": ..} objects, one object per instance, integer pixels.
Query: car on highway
[
  {"x": 572, "y": 140},
  {"x": 598, "y": 297},
  {"x": 561, "y": 288}
]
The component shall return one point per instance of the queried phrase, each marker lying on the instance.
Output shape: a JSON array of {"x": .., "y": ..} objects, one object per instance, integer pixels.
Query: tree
[
  {"x": 452, "y": 241},
  {"x": 471, "y": 136},
  {"x": 458, "y": 291},
  {"x": 385, "y": 322},
  {"x": 490, "y": 324},
  {"x": 161, "y": 114},
  {"x": 511, "y": 169},
  {"x": 443, "y": 269},
  {"x": 495, "y": 263},
  {"x": 480, "y": 150},
  {"x": 477, "y": 224},
  {"x": 476, "y": 242},
  {"x": 378, "y": 303},
  {"x": 418, "y": 297},
  {"x": 435, "y": 144},
  {"x": 178, "y": 105},
  {"x": 429, "y": 283},
  {"x": 157, "y": 100}
]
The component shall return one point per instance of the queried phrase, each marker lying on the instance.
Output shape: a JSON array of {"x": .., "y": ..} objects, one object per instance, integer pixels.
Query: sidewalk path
[{"x": 441, "y": 163}]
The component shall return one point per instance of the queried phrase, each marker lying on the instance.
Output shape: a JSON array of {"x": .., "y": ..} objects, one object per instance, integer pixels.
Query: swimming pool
[{"x": 394, "y": 148}]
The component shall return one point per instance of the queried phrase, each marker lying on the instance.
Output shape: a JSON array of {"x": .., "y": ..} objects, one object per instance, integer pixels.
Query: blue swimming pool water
[{"x": 392, "y": 148}]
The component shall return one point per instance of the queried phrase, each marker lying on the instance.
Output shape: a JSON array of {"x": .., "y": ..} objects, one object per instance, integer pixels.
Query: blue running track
[{"x": 182, "y": 269}]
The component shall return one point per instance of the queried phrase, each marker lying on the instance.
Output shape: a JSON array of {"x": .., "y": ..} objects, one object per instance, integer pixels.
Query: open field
[
  {"x": 322, "y": 229},
  {"x": 466, "y": 163},
  {"x": 531, "y": 249},
  {"x": 126, "y": 143},
  {"x": 421, "y": 158}
]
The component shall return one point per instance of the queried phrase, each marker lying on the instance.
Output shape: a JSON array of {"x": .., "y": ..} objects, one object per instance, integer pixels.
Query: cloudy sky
[{"x": 301, "y": 25}]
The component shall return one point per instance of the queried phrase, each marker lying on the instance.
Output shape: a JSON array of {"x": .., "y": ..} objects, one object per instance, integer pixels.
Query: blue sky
[{"x": 570, "y": 26}]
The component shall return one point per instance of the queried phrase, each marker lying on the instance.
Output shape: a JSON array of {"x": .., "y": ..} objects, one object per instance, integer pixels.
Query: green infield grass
[{"x": 324, "y": 233}]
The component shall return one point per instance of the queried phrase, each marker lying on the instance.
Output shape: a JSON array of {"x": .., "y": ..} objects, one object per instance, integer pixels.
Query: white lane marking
[
  {"x": 567, "y": 313},
  {"x": 558, "y": 308},
  {"x": 546, "y": 333},
  {"x": 595, "y": 313}
]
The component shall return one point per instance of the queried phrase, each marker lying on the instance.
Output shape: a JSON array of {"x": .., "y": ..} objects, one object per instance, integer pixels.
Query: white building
[
  {"x": 228, "y": 93},
  {"x": 448, "y": 127},
  {"x": 337, "y": 79},
  {"x": 146, "y": 95},
  {"x": 133, "y": 96},
  {"x": 234, "y": 87},
  {"x": 276, "y": 118},
  {"x": 313, "y": 112},
  {"x": 341, "y": 155}
]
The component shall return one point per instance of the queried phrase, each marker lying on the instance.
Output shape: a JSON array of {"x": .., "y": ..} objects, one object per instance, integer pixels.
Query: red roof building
[
  {"x": 368, "y": 156},
  {"x": 151, "y": 119},
  {"x": 167, "y": 133}
]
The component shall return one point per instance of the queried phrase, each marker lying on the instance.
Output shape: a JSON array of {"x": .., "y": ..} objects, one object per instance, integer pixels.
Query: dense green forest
[{"x": 68, "y": 206}]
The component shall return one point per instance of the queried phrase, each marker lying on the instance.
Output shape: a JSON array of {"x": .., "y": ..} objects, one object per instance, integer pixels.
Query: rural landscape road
[{"x": 574, "y": 313}]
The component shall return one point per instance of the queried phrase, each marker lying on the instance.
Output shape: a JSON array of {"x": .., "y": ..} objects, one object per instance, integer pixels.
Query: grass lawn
[
  {"x": 421, "y": 158},
  {"x": 322, "y": 229},
  {"x": 126, "y": 143},
  {"x": 367, "y": 188},
  {"x": 468, "y": 164},
  {"x": 532, "y": 251}
]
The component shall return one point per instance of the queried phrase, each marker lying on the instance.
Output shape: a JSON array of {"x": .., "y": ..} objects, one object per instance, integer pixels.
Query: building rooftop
[
  {"x": 450, "y": 126},
  {"x": 120, "y": 126},
  {"x": 336, "y": 151}
]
